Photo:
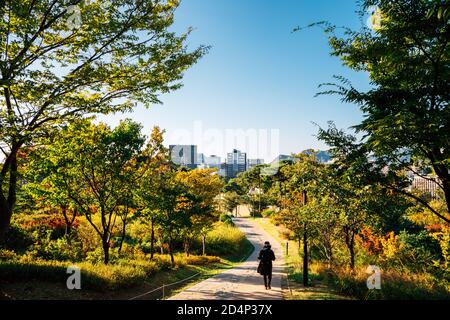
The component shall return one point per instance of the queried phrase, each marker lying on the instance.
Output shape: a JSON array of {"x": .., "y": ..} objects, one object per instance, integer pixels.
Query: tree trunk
[
  {"x": 350, "y": 242},
  {"x": 7, "y": 204},
  {"x": 66, "y": 220},
  {"x": 330, "y": 257},
  {"x": 5, "y": 220},
  {"x": 105, "y": 251},
  {"x": 69, "y": 222},
  {"x": 152, "y": 239},
  {"x": 204, "y": 244},
  {"x": 172, "y": 260},
  {"x": 186, "y": 246},
  {"x": 162, "y": 244},
  {"x": 122, "y": 238},
  {"x": 305, "y": 256}
]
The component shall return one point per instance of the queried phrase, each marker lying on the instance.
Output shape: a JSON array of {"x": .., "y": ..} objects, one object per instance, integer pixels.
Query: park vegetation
[
  {"x": 361, "y": 209},
  {"x": 76, "y": 191},
  {"x": 115, "y": 206}
]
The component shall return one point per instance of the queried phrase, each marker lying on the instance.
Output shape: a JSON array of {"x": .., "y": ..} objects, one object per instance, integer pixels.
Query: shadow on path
[{"x": 242, "y": 282}]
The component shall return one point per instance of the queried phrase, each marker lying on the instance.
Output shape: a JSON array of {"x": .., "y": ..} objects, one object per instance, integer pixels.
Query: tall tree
[
  {"x": 206, "y": 185},
  {"x": 174, "y": 202},
  {"x": 53, "y": 70},
  {"x": 153, "y": 162},
  {"x": 303, "y": 178},
  {"x": 407, "y": 115},
  {"x": 90, "y": 163}
]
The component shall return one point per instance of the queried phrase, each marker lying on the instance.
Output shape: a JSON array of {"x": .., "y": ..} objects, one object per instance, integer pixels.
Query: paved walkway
[{"x": 242, "y": 282}]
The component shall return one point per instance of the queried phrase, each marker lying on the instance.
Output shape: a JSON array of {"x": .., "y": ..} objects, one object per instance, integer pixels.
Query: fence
[{"x": 163, "y": 287}]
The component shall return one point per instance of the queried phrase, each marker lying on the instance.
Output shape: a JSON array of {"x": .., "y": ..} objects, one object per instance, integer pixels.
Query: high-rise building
[
  {"x": 236, "y": 163},
  {"x": 213, "y": 161},
  {"x": 201, "y": 158},
  {"x": 184, "y": 155},
  {"x": 223, "y": 170},
  {"x": 251, "y": 163}
]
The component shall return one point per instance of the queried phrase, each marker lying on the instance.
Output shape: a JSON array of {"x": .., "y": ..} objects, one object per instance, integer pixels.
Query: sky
[{"x": 255, "y": 89}]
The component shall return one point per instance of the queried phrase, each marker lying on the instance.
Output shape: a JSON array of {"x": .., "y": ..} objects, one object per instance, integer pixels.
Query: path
[{"x": 242, "y": 282}]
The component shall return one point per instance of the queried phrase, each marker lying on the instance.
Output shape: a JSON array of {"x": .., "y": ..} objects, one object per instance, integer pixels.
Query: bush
[
  {"x": 201, "y": 260},
  {"x": 225, "y": 240},
  {"x": 7, "y": 255},
  {"x": 16, "y": 239},
  {"x": 43, "y": 222},
  {"x": 123, "y": 273},
  {"x": 93, "y": 276},
  {"x": 267, "y": 213},
  {"x": 62, "y": 249},
  {"x": 394, "y": 285},
  {"x": 227, "y": 219},
  {"x": 417, "y": 250}
]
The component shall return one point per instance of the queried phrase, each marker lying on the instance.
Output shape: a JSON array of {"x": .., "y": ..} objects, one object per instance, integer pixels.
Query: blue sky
[{"x": 258, "y": 74}]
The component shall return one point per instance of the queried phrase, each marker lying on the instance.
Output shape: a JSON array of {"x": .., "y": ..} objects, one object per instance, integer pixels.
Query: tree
[
  {"x": 174, "y": 202},
  {"x": 153, "y": 161},
  {"x": 90, "y": 163},
  {"x": 206, "y": 185},
  {"x": 406, "y": 112},
  {"x": 356, "y": 187},
  {"x": 44, "y": 186},
  {"x": 53, "y": 71},
  {"x": 232, "y": 200},
  {"x": 303, "y": 177}
]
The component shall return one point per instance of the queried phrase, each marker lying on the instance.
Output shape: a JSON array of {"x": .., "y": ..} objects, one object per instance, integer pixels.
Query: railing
[{"x": 163, "y": 287}]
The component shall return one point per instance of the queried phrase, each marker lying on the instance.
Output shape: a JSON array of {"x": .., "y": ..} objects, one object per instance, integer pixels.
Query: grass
[
  {"x": 47, "y": 279},
  {"x": 38, "y": 289},
  {"x": 28, "y": 277},
  {"x": 294, "y": 290},
  {"x": 395, "y": 285}
]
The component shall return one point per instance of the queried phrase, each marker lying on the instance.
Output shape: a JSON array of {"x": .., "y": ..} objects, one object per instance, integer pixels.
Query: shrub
[
  {"x": 89, "y": 239},
  {"x": 394, "y": 285},
  {"x": 224, "y": 240},
  {"x": 7, "y": 255},
  {"x": 62, "y": 249},
  {"x": 16, "y": 239},
  {"x": 201, "y": 260},
  {"x": 227, "y": 219},
  {"x": 93, "y": 276},
  {"x": 43, "y": 222},
  {"x": 164, "y": 261},
  {"x": 285, "y": 233},
  {"x": 443, "y": 238},
  {"x": 97, "y": 256},
  {"x": 267, "y": 213},
  {"x": 417, "y": 250}
]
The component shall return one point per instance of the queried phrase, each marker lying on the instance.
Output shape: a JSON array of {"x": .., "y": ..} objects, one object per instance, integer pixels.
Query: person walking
[{"x": 266, "y": 256}]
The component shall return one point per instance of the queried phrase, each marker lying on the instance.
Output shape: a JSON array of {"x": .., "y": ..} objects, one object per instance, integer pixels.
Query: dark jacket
[{"x": 266, "y": 256}]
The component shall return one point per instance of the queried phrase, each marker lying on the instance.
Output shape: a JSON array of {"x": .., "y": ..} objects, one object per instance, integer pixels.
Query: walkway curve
[{"x": 242, "y": 282}]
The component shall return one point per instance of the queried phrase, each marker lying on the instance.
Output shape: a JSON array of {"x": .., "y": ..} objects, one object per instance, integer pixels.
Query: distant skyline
[{"x": 258, "y": 75}]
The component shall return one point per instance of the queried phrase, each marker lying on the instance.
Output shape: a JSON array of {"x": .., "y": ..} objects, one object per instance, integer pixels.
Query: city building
[
  {"x": 282, "y": 157},
  {"x": 236, "y": 163},
  {"x": 201, "y": 158},
  {"x": 213, "y": 161},
  {"x": 184, "y": 155},
  {"x": 223, "y": 170},
  {"x": 423, "y": 182},
  {"x": 251, "y": 163}
]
